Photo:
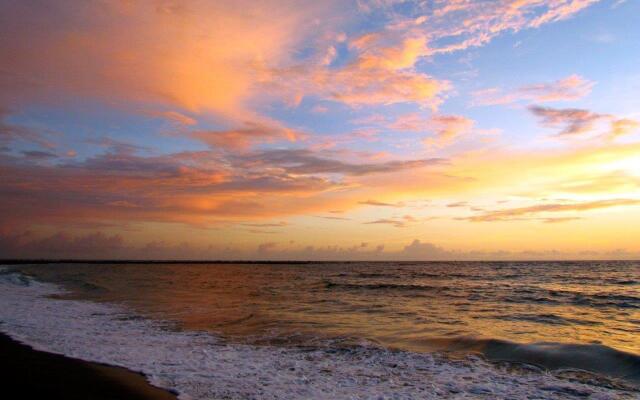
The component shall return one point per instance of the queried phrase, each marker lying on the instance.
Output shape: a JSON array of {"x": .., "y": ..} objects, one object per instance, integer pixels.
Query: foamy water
[{"x": 201, "y": 365}]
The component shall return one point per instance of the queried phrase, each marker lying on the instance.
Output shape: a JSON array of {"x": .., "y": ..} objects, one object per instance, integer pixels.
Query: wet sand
[{"x": 29, "y": 373}]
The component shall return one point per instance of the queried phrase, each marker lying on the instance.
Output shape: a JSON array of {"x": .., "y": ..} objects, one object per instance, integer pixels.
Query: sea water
[{"x": 342, "y": 330}]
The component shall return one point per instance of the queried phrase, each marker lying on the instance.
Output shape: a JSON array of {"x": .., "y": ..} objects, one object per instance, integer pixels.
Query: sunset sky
[{"x": 381, "y": 129}]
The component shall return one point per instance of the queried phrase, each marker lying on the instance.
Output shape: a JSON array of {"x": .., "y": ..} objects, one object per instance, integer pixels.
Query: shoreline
[{"x": 39, "y": 374}]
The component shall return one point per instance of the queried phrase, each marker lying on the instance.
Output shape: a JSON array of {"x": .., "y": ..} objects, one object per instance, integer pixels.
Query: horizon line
[{"x": 17, "y": 261}]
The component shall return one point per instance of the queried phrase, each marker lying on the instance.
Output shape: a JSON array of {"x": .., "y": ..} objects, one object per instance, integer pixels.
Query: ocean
[{"x": 360, "y": 330}]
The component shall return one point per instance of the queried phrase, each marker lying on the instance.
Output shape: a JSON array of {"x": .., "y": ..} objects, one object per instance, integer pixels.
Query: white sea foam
[{"x": 199, "y": 366}]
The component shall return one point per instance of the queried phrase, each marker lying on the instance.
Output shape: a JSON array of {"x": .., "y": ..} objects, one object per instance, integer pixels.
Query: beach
[{"x": 40, "y": 375}]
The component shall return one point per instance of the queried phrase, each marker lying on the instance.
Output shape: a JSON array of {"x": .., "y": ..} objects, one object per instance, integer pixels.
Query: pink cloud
[
  {"x": 573, "y": 87},
  {"x": 447, "y": 128},
  {"x": 574, "y": 121},
  {"x": 177, "y": 117},
  {"x": 250, "y": 134}
]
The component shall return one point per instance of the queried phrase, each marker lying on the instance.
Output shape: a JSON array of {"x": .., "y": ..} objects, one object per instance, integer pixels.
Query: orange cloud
[
  {"x": 379, "y": 86},
  {"x": 623, "y": 126},
  {"x": 195, "y": 55},
  {"x": 403, "y": 56},
  {"x": 381, "y": 71}
]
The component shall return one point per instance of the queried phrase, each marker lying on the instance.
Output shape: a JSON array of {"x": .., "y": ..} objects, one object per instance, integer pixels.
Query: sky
[{"x": 329, "y": 130}]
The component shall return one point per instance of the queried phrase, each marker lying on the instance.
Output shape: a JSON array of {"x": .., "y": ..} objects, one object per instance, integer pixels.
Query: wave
[
  {"x": 624, "y": 282},
  {"x": 382, "y": 286},
  {"x": 200, "y": 365},
  {"x": 547, "y": 319},
  {"x": 597, "y": 300},
  {"x": 518, "y": 295},
  {"x": 594, "y": 358}
]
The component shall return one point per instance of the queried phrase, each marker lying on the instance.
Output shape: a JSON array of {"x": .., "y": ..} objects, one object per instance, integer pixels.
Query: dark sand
[{"x": 32, "y": 374}]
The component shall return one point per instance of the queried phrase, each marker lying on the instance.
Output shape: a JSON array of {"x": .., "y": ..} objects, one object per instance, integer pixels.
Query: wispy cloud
[
  {"x": 382, "y": 70},
  {"x": 574, "y": 121},
  {"x": 558, "y": 220},
  {"x": 380, "y": 203},
  {"x": 10, "y": 133},
  {"x": 357, "y": 84},
  {"x": 520, "y": 212},
  {"x": 445, "y": 129},
  {"x": 176, "y": 117},
  {"x": 334, "y": 218},
  {"x": 124, "y": 182},
  {"x": 303, "y": 161},
  {"x": 39, "y": 155},
  {"x": 458, "y": 204},
  {"x": 250, "y": 134},
  {"x": 126, "y": 186},
  {"x": 267, "y": 224},
  {"x": 448, "y": 128},
  {"x": 623, "y": 126},
  {"x": 609, "y": 182},
  {"x": 573, "y": 87},
  {"x": 397, "y": 223}
]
